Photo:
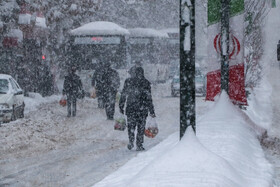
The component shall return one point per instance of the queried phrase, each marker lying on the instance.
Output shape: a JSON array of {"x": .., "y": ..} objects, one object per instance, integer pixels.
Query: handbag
[{"x": 151, "y": 129}]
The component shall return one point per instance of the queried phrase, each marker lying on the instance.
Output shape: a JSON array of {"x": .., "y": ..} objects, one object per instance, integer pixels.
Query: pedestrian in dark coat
[
  {"x": 111, "y": 83},
  {"x": 72, "y": 87},
  {"x": 98, "y": 83},
  {"x": 136, "y": 94}
]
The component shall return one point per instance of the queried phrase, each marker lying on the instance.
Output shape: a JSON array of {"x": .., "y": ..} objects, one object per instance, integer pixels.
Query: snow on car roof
[
  {"x": 100, "y": 28},
  {"x": 147, "y": 32},
  {"x": 16, "y": 33},
  {"x": 5, "y": 76}
]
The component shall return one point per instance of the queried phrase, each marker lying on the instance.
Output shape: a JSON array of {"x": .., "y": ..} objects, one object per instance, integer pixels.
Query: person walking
[
  {"x": 111, "y": 83},
  {"x": 72, "y": 87},
  {"x": 98, "y": 83},
  {"x": 136, "y": 94}
]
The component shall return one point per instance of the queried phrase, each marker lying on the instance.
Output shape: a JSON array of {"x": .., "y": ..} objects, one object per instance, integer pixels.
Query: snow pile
[
  {"x": 259, "y": 101},
  {"x": 100, "y": 28},
  {"x": 147, "y": 32},
  {"x": 225, "y": 152},
  {"x": 34, "y": 100}
]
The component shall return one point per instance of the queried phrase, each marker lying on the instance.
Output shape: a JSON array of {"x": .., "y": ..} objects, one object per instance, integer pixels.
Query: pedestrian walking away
[
  {"x": 137, "y": 97},
  {"x": 98, "y": 83},
  {"x": 111, "y": 83},
  {"x": 72, "y": 87}
]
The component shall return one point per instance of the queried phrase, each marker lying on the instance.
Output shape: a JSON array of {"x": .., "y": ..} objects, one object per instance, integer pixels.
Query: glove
[{"x": 153, "y": 115}]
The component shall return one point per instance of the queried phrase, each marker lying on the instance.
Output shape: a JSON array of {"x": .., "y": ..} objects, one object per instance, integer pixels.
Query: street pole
[
  {"x": 187, "y": 65},
  {"x": 225, "y": 44}
]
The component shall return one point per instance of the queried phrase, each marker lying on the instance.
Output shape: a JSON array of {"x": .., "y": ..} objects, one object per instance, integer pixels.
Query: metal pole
[
  {"x": 225, "y": 4},
  {"x": 187, "y": 65}
]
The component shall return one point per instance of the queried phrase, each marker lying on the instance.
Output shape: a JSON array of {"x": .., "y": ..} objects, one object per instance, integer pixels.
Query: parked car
[
  {"x": 11, "y": 99},
  {"x": 175, "y": 86},
  {"x": 200, "y": 85}
]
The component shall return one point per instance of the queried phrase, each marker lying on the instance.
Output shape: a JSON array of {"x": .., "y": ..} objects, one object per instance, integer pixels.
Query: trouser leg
[
  {"x": 69, "y": 101},
  {"x": 141, "y": 122},
  {"x": 110, "y": 105},
  {"x": 100, "y": 101},
  {"x": 74, "y": 106},
  {"x": 131, "y": 128}
]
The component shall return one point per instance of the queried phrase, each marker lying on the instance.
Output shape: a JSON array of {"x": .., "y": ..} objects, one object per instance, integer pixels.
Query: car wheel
[
  {"x": 21, "y": 114},
  {"x": 13, "y": 117}
]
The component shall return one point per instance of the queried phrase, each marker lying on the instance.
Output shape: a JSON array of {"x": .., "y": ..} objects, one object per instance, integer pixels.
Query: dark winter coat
[
  {"x": 136, "y": 94},
  {"x": 72, "y": 85},
  {"x": 97, "y": 80},
  {"x": 111, "y": 80}
]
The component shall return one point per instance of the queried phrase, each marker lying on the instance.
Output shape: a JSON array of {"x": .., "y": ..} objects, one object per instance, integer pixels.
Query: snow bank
[
  {"x": 100, "y": 28},
  {"x": 259, "y": 104},
  {"x": 225, "y": 152},
  {"x": 35, "y": 100},
  {"x": 147, "y": 32}
]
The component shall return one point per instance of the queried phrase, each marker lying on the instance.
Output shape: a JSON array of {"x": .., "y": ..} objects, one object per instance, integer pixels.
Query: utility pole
[
  {"x": 187, "y": 65},
  {"x": 225, "y": 4}
]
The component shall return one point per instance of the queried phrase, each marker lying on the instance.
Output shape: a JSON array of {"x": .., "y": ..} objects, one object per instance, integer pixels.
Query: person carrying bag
[{"x": 136, "y": 94}]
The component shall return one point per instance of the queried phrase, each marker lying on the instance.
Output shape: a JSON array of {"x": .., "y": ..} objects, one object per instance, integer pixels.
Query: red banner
[{"x": 236, "y": 84}]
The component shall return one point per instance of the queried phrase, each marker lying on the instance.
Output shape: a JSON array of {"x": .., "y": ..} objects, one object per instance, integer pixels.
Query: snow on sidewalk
[{"x": 225, "y": 152}]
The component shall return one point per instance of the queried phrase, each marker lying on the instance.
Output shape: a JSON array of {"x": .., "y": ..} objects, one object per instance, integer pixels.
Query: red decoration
[{"x": 236, "y": 84}]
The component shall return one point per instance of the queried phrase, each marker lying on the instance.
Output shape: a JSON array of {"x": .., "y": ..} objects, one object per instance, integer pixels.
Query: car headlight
[{"x": 4, "y": 106}]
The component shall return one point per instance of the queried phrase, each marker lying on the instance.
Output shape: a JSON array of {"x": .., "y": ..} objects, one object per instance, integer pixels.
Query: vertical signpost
[
  {"x": 187, "y": 65},
  {"x": 224, "y": 44}
]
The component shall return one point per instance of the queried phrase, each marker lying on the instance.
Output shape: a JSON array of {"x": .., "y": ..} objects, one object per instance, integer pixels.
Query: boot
[{"x": 130, "y": 146}]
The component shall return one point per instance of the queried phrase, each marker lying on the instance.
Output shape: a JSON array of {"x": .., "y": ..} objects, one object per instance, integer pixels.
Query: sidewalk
[{"x": 225, "y": 152}]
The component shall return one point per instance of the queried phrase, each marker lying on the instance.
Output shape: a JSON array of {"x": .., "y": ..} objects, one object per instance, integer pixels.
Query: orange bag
[
  {"x": 151, "y": 129},
  {"x": 63, "y": 101},
  {"x": 151, "y": 132}
]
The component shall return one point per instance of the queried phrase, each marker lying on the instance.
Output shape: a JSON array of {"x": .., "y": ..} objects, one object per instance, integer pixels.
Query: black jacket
[
  {"x": 111, "y": 80},
  {"x": 137, "y": 95},
  {"x": 72, "y": 85}
]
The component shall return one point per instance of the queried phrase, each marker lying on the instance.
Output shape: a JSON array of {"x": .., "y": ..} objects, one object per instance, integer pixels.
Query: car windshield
[{"x": 4, "y": 86}]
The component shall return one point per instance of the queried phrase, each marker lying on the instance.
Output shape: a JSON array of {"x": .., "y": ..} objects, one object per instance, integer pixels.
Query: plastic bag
[
  {"x": 151, "y": 129},
  {"x": 120, "y": 123},
  {"x": 93, "y": 93},
  {"x": 63, "y": 101}
]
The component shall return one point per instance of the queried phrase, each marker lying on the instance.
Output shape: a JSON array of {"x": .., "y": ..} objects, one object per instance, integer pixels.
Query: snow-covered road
[{"x": 48, "y": 149}]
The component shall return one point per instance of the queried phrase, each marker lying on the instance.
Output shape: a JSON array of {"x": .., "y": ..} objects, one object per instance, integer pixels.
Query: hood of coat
[{"x": 139, "y": 73}]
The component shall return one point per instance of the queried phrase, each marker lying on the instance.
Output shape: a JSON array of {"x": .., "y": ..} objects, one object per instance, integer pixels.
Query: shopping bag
[
  {"x": 93, "y": 93},
  {"x": 120, "y": 123},
  {"x": 63, "y": 101},
  {"x": 151, "y": 129}
]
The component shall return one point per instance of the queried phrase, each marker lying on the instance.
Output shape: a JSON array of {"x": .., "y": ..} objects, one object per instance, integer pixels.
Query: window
[{"x": 4, "y": 86}]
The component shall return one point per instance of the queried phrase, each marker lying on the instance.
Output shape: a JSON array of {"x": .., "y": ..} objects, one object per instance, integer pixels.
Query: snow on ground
[
  {"x": 271, "y": 144},
  {"x": 225, "y": 152},
  {"x": 48, "y": 149}
]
